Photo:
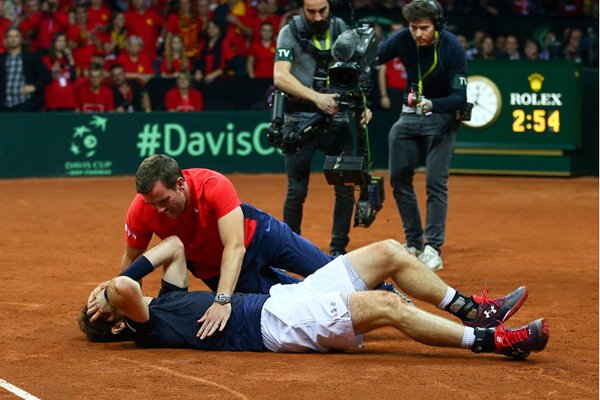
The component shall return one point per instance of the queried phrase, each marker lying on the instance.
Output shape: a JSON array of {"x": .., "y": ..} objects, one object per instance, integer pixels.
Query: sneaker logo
[
  {"x": 268, "y": 228},
  {"x": 489, "y": 312}
]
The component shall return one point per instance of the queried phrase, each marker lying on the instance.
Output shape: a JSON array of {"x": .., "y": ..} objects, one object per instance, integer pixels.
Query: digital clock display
[{"x": 538, "y": 120}]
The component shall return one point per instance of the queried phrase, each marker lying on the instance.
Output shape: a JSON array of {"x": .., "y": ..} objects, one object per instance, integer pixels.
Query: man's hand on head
[
  {"x": 97, "y": 305},
  {"x": 214, "y": 318}
]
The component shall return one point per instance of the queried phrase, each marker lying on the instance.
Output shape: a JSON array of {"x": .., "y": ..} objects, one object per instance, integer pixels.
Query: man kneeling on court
[{"x": 331, "y": 308}]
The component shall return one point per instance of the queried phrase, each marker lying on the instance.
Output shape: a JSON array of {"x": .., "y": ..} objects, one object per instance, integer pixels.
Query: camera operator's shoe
[
  {"x": 431, "y": 258},
  {"x": 412, "y": 250},
  {"x": 493, "y": 312},
  {"x": 518, "y": 343}
]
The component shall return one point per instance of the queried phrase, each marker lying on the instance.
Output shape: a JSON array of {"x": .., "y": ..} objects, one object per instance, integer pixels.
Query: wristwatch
[{"x": 222, "y": 299}]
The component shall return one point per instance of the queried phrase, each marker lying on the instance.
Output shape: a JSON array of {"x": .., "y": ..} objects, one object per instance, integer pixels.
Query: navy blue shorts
[{"x": 273, "y": 248}]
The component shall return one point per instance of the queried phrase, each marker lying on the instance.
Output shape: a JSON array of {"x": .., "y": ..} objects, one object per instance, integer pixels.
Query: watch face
[
  {"x": 486, "y": 99},
  {"x": 222, "y": 298}
]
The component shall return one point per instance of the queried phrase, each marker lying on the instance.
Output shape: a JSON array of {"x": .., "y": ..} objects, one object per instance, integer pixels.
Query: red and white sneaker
[
  {"x": 518, "y": 343},
  {"x": 492, "y": 312}
]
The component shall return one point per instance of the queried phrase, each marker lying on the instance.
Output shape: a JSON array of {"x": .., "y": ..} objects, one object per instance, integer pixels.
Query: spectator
[
  {"x": 234, "y": 19},
  {"x": 43, "y": 22},
  {"x": 114, "y": 38},
  {"x": 572, "y": 50},
  {"x": 487, "y": 49},
  {"x": 175, "y": 60},
  {"x": 531, "y": 50},
  {"x": 211, "y": 62},
  {"x": 475, "y": 44},
  {"x": 137, "y": 64},
  {"x": 183, "y": 97},
  {"x": 500, "y": 43},
  {"x": 263, "y": 15},
  {"x": 146, "y": 24},
  {"x": 59, "y": 95},
  {"x": 392, "y": 79},
  {"x": 98, "y": 14},
  {"x": 274, "y": 10},
  {"x": 463, "y": 41},
  {"x": 94, "y": 96},
  {"x": 23, "y": 76},
  {"x": 262, "y": 53},
  {"x": 512, "y": 48},
  {"x": 204, "y": 16},
  {"x": 128, "y": 95},
  {"x": 551, "y": 47},
  {"x": 4, "y": 24},
  {"x": 15, "y": 10},
  {"x": 185, "y": 24},
  {"x": 82, "y": 39}
]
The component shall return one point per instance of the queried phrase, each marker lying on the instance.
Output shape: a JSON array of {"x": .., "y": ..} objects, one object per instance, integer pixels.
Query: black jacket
[{"x": 35, "y": 72}]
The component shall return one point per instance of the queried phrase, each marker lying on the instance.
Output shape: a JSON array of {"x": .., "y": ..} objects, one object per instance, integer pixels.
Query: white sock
[
  {"x": 450, "y": 292},
  {"x": 468, "y": 338}
]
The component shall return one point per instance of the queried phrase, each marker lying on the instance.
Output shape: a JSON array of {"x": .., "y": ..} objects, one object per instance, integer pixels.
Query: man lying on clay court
[{"x": 331, "y": 308}]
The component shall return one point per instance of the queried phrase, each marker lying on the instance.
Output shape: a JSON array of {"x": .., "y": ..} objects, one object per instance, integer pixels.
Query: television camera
[{"x": 354, "y": 54}]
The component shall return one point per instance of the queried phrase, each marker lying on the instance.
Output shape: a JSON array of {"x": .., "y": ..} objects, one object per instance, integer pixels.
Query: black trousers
[{"x": 298, "y": 167}]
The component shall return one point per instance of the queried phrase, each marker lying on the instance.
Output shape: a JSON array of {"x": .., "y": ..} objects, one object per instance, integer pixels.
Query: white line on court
[
  {"x": 15, "y": 390},
  {"x": 236, "y": 394}
]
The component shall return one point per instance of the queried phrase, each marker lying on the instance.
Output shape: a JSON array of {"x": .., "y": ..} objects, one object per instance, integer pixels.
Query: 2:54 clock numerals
[{"x": 536, "y": 120}]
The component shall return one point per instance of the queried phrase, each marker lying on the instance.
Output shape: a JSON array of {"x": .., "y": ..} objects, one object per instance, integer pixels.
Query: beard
[{"x": 319, "y": 27}]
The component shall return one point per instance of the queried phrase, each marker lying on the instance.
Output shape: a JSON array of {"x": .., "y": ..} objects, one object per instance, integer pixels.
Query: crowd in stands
[{"x": 99, "y": 55}]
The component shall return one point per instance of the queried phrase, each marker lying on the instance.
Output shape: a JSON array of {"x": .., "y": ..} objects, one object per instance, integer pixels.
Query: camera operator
[
  {"x": 301, "y": 64},
  {"x": 435, "y": 97}
]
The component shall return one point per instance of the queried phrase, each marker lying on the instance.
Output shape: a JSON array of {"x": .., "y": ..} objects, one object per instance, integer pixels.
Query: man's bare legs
[
  {"x": 375, "y": 309},
  {"x": 378, "y": 261}
]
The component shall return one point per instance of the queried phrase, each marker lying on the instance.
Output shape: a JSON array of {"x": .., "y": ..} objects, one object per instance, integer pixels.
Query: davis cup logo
[
  {"x": 84, "y": 146},
  {"x": 84, "y": 139}
]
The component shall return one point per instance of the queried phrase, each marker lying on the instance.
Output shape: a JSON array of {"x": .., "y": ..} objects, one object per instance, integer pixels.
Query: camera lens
[{"x": 343, "y": 77}]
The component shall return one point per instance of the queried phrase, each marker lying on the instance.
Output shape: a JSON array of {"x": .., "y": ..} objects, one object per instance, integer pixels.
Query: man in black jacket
[
  {"x": 23, "y": 76},
  {"x": 436, "y": 69}
]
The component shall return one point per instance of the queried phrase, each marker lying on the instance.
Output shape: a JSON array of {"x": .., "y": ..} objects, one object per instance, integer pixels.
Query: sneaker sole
[{"x": 517, "y": 306}]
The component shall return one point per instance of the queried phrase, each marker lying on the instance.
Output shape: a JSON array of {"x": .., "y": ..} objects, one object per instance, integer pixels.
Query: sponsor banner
[
  {"x": 78, "y": 145},
  {"x": 524, "y": 104}
]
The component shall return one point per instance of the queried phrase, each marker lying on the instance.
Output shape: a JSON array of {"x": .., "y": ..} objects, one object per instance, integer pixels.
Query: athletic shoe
[
  {"x": 494, "y": 311},
  {"x": 519, "y": 342},
  {"x": 412, "y": 250},
  {"x": 431, "y": 258}
]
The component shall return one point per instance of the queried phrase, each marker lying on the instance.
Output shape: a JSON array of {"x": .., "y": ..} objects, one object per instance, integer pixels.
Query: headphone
[{"x": 439, "y": 19}]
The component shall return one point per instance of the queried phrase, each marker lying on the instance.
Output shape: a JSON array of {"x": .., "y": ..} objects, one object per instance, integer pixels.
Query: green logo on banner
[{"x": 84, "y": 146}]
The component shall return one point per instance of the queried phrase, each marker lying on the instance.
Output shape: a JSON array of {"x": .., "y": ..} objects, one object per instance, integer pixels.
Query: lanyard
[
  {"x": 327, "y": 42},
  {"x": 321, "y": 76},
  {"x": 435, "y": 61}
]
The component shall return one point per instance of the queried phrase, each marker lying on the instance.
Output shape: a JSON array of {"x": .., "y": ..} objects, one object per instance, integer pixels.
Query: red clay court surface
[{"x": 60, "y": 237}]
